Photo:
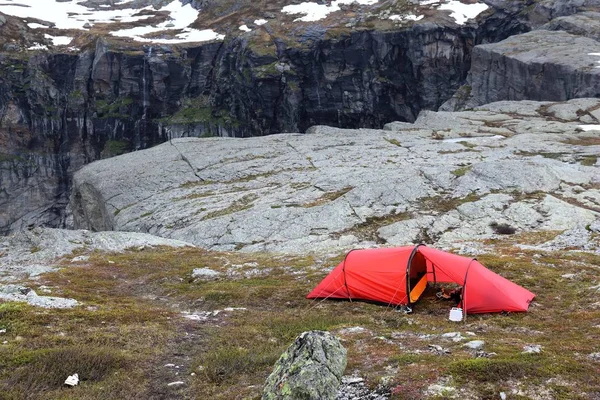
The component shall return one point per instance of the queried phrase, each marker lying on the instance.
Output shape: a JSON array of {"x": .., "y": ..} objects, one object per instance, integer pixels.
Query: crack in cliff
[
  {"x": 187, "y": 161},
  {"x": 354, "y": 210},
  {"x": 303, "y": 155}
]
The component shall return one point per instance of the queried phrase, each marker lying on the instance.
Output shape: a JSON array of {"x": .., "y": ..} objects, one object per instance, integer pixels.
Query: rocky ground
[
  {"x": 448, "y": 179},
  {"x": 186, "y": 323}
]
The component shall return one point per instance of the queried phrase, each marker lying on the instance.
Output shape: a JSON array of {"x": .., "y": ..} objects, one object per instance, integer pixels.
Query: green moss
[
  {"x": 118, "y": 108},
  {"x": 237, "y": 206},
  {"x": 114, "y": 148},
  {"x": 493, "y": 370},
  {"x": 461, "y": 171},
  {"x": 589, "y": 161},
  {"x": 395, "y": 142},
  {"x": 199, "y": 111},
  {"x": 9, "y": 157}
]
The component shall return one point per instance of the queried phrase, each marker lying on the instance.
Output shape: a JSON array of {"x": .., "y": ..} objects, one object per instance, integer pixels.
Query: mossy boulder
[{"x": 310, "y": 369}]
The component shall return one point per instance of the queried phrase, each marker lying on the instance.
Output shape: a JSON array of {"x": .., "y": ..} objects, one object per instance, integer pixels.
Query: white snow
[
  {"x": 463, "y": 12},
  {"x": 74, "y": 15},
  {"x": 38, "y": 46},
  {"x": 428, "y": 2},
  {"x": 316, "y": 12},
  {"x": 260, "y": 22},
  {"x": 59, "y": 40},
  {"x": 589, "y": 127},
  {"x": 181, "y": 17},
  {"x": 410, "y": 17},
  {"x": 33, "y": 25},
  {"x": 595, "y": 54},
  {"x": 70, "y": 14},
  {"x": 245, "y": 28}
]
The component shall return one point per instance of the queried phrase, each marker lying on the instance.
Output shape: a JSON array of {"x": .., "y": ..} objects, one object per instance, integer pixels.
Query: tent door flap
[{"x": 418, "y": 290}]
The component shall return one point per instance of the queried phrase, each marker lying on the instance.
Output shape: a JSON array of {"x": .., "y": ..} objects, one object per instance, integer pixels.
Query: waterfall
[{"x": 145, "y": 87}]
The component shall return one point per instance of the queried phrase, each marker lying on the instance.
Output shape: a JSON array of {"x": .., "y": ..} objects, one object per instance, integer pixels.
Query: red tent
[{"x": 400, "y": 275}]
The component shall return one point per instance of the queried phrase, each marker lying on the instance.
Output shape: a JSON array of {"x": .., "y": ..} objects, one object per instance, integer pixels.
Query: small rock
[
  {"x": 475, "y": 344},
  {"x": 502, "y": 396},
  {"x": 169, "y": 365},
  {"x": 532, "y": 349},
  {"x": 455, "y": 336},
  {"x": 568, "y": 276},
  {"x": 354, "y": 329},
  {"x": 80, "y": 258},
  {"x": 434, "y": 348},
  {"x": 594, "y": 356},
  {"x": 204, "y": 273},
  {"x": 176, "y": 383},
  {"x": 353, "y": 380},
  {"x": 483, "y": 354},
  {"x": 2, "y": 330}
]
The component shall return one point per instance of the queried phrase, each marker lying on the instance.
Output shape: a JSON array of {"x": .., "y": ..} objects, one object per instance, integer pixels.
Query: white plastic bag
[{"x": 72, "y": 380}]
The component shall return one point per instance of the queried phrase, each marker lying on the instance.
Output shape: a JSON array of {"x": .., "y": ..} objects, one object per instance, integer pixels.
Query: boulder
[
  {"x": 310, "y": 369},
  {"x": 583, "y": 24}
]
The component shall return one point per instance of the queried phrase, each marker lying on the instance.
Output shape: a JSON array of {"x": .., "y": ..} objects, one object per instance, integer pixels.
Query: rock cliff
[
  {"x": 63, "y": 106},
  {"x": 447, "y": 179}
]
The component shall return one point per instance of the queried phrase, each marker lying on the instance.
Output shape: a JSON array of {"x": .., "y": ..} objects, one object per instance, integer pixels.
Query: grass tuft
[{"x": 47, "y": 369}]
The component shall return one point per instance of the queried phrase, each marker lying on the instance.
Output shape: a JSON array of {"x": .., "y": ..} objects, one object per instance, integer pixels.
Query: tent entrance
[{"x": 416, "y": 275}]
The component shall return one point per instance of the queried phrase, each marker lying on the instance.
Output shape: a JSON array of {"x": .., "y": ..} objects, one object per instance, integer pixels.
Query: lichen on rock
[{"x": 310, "y": 369}]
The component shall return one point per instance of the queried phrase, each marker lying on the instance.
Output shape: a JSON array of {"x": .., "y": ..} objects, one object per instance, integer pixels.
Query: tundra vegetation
[{"x": 145, "y": 322}]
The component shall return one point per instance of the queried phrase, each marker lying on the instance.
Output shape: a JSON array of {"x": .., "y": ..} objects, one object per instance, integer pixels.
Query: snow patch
[
  {"x": 410, "y": 17},
  {"x": 38, "y": 46},
  {"x": 59, "y": 40},
  {"x": 181, "y": 17},
  {"x": 75, "y": 15},
  {"x": 463, "y": 12},
  {"x": 597, "y": 55},
  {"x": 260, "y": 22},
  {"x": 245, "y": 28},
  {"x": 316, "y": 12},
  {"x": 589, "y": 127},
  {"x": 70, "y": 14},
  {"x": 33, "y": 25}
]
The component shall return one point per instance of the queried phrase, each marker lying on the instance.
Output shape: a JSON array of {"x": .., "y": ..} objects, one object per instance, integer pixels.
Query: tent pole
[
  {"x": 344, "y": 271},
  {"x": 464, "y": 291}
]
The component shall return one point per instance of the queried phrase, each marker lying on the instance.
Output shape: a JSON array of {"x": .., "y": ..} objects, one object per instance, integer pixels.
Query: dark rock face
[
  {"x": 582, "y": 24},
  {"x": 310, "y": 369},
  {"x": 540, "y": 65},
  {"x": 59, "y": 112}
]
